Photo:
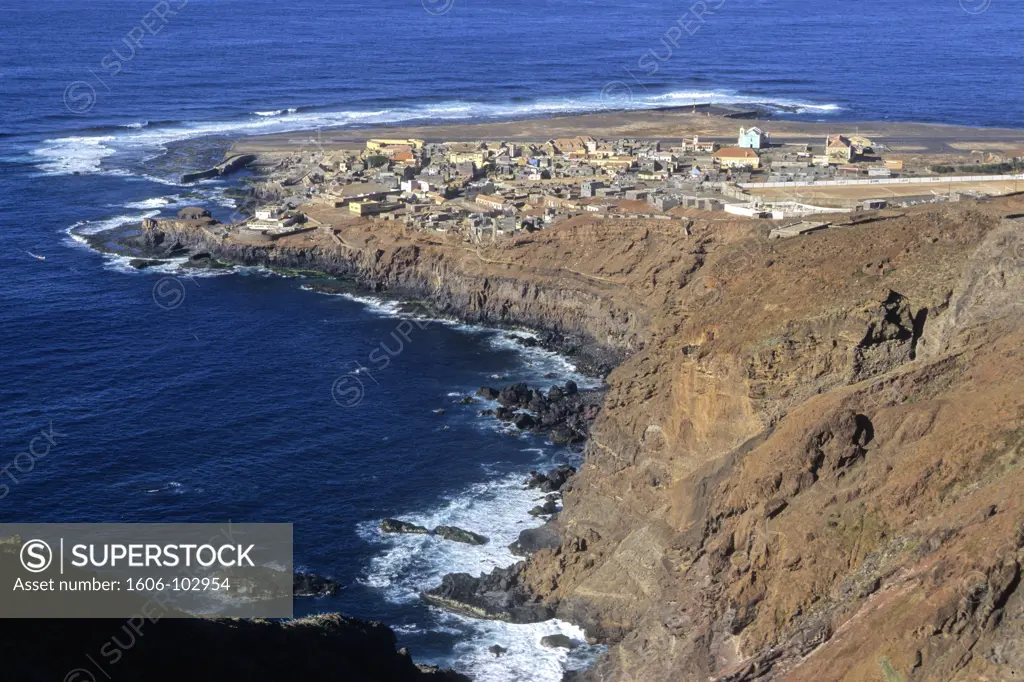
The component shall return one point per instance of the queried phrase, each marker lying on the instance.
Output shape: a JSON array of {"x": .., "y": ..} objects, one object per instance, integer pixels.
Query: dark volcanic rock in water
[
  {"x": 143, "y": 263},
  {"x": 553, "y": 480},
  {"x": 498, "y": 650},
  {"x": 456, "y": 534},
  {"x": 549, "y": 507},
  {"x": 557, "y": 642},
  {"x": 203, "y": 260},
  {"x": 565, "y": 413},
  {"x": 313, "y": 585},
  {"x": 557, "y": 478},
  {"x": 524, "y": 421},
  {"x": 565, "y": 435},
  {"x": 515, "y": 395},
  {"x": 538, "y": 403},
  {"x": 526, "y": 341},
  {"x": 396, "y": 526},
  {"x": 505, "y": 414},
  {"x": 497, "y": 595},
  {"x": 488, "y": 393}
]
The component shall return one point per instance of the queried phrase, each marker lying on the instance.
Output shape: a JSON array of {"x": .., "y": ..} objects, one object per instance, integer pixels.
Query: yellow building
[
  {"x": 737, "y": 157},
  {"x": 376, "y": 144},
  {"x": 838, "y": 149},
  {"x": 365, "y": 208}
]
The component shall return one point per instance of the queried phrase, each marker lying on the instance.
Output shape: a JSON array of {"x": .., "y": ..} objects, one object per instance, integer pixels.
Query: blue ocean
[{"x": 219, "y": 402}]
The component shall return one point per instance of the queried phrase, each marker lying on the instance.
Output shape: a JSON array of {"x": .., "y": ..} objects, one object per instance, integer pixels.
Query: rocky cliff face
[
  {"x": 811, "y": 477},
  {"x": 807, "y": 461}
]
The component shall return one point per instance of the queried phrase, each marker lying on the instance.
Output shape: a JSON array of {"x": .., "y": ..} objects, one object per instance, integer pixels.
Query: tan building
[
  {"x": 491, "y": 202},
  {"x": 838, "y": 149},
  {"x": 581, "y": 144},
  {"x": 475, "y": 157},
  {"x": 736, "y": 157},
  {"x": 380, "y": 144},
  {"x": 695, "y": 144},
  {"x": 365, "y": 208}
]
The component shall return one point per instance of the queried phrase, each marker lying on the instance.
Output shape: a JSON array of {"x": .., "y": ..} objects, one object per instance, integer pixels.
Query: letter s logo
[{"x": 36, "y": 556}]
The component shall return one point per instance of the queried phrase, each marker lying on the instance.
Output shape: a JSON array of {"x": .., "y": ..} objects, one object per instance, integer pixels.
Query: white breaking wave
[
  {"x": 383, "y": 307},
  {"x": 69, "y": 155},
  {"x": 525, "y": 659},
  {"x": 409, "y": 564},
  {"x": 85, "y": 154},
  {"x": 682, "y": 99},
  {"x": 155, "y": 202},
  {"x": 85, "y": 227},
  {"x": 173, "y": 487},
  {"x": 278, "y": 112},
  {"x": 542, "y": 361}
]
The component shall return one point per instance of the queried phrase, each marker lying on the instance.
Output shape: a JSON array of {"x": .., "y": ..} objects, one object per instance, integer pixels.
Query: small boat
[{"x": 36, "y": 255}]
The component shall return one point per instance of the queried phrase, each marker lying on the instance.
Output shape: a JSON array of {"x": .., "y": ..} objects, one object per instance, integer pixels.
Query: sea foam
[
  {"x": 86, "y": 154},
  {"x": 409, "y": 564}
]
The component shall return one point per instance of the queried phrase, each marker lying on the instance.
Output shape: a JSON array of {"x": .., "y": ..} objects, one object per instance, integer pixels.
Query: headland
[{"x": 806, "y": 462}]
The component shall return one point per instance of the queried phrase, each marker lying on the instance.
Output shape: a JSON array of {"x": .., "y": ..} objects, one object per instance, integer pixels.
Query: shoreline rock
[
  {"x": 497, "y": 595},
  {"x": 456, "y": 534},
  {"x": 533, "y": 540},
  {"x": 313, "y": 585},
  {"x": 557, "y": 642},
  {"x": 398, "y": 526},
  {"x": 564, "y": 414}
]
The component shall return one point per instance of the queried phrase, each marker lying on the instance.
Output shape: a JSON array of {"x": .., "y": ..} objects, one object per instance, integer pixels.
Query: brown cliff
[{"x": 807, "y": 462}]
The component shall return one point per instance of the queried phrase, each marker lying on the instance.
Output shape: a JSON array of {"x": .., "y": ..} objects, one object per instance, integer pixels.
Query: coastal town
[{"x": 484, "y": 191}]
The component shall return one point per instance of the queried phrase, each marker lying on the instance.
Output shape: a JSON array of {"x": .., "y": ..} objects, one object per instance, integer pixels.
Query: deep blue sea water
[{"x": 221, "y": 407}]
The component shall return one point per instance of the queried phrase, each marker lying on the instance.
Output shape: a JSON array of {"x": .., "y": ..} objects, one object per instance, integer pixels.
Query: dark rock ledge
[{"x": 497, "y": 595}]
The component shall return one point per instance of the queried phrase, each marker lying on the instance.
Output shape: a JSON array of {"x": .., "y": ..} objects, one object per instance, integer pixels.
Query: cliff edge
[{"x": 807, "y": 461}]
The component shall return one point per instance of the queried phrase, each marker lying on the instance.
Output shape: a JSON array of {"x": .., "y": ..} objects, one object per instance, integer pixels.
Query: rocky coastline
[
  {"x": 400, "y": 275},
  {"x": 805, "y": 462},
  {"x": 564, "y": 413}
]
